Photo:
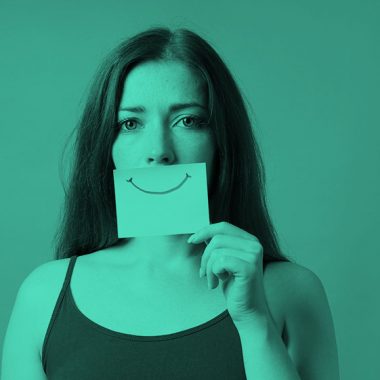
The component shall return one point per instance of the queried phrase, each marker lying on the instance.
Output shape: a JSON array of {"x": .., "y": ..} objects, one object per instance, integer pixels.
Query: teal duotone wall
[{"x": 310, "y": 73}]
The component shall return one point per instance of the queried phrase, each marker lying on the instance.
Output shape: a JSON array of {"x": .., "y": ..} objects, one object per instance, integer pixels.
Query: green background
[{"x": 310, "y": 73}]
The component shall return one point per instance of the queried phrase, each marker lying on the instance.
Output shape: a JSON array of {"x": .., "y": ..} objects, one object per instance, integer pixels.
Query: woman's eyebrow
[{"x": 173, "y": 108}]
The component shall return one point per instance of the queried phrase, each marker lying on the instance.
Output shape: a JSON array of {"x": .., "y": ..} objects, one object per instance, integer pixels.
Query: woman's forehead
[{"x": 166, "y": 81}]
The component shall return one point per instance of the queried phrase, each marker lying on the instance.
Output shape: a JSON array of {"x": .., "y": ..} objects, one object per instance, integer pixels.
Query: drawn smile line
[{"x": 159, "y": 192}]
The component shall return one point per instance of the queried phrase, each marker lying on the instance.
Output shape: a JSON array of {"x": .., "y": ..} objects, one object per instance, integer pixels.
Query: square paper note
[{"x": 161, "y": 200}]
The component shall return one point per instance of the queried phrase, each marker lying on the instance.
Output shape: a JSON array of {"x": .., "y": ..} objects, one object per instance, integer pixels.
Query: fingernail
[{"x": 190, "y": 239}]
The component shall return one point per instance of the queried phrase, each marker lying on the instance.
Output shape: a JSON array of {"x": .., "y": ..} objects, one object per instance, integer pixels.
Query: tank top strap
[
  {"x": 69, "y": 272},
  {"x": 57, "y": 306},
  {"x": 66, "y": 282}
]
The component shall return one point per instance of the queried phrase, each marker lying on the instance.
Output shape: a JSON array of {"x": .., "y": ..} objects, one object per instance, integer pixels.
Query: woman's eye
[
  {"x": 193, "y": 120},
  {"x": 188, "y": 122},
  {"x": 127, "y": 123}
]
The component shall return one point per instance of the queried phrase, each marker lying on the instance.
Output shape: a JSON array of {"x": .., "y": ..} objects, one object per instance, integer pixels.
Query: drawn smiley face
[{"x": 130, "y": 180}]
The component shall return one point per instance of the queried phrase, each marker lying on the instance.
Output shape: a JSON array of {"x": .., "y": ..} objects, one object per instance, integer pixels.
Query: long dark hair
[{"x": 88, "y": 221}]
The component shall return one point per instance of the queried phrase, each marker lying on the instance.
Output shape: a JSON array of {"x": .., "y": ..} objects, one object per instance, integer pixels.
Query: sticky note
[{"x": 161, "y": 200}]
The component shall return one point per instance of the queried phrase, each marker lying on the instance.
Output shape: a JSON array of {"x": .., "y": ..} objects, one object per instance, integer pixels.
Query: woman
[{"x": 137, "y": 308}]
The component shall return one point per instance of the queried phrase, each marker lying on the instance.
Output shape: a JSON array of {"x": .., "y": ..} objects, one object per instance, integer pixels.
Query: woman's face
[{"x": 155, "y": 132}]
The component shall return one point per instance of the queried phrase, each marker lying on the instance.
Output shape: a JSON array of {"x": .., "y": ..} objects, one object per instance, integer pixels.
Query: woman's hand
[{"x": 235, "y": 257}]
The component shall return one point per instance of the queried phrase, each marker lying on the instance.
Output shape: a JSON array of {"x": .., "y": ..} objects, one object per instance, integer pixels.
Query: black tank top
[{"x": 77, "y": 348}]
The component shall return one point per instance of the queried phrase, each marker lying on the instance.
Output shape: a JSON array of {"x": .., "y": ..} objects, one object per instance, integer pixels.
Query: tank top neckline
[{"x": 134, "y": 337}]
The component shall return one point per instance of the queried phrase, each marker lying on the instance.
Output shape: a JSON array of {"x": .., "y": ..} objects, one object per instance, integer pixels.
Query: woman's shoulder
[
  {"x": 290, "y": 278},
  {"x": 45, "y": 274},
  {"x": 287, "y": 286},
  {"x": 288, "y": 270},
  {"x": 42, "y": 285},
  {"x": 38, "y": 294},
  {"x": 308, "y": 317}
]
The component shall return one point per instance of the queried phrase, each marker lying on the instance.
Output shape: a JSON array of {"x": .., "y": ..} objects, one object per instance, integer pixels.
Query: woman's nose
[{"x": 160, "y": 148}]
